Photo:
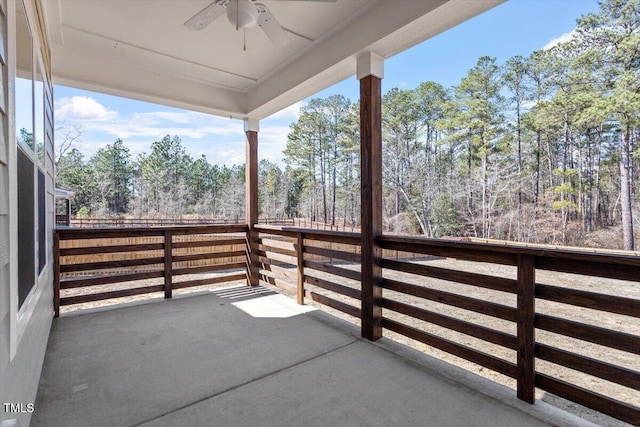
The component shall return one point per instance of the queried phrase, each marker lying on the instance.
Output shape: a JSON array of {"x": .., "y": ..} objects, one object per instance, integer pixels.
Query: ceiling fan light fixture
[{"x": 242, "y": 13}]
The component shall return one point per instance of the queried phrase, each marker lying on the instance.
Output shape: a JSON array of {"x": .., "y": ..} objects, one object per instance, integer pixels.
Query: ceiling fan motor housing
[{"x": 242, "y": 13}]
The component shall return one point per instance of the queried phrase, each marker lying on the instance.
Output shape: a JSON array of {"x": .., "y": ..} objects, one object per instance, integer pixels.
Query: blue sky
[{"x": 517, "y": 27}]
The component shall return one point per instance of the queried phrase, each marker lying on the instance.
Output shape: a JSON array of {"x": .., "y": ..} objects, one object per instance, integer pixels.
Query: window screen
[
  {"x": 26, "y": 227},
  {"x": 42, "y": 223}
]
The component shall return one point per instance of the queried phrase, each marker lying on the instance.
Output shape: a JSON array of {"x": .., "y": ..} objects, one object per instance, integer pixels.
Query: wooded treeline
[
  {"x": 167, "y": 182},
  {"x": 539, "y": 149}
]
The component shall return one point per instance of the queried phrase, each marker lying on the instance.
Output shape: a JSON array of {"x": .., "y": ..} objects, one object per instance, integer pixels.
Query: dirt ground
[{"x": 608, "y": 320}]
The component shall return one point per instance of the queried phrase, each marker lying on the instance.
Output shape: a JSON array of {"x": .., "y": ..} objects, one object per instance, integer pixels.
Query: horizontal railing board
[
  {"x": 599, "y": 402},
  {"x": 329, "y": 237},
  {"x": 595, "y": 334},
  {"x": 263, "y": 259},
  {"x": 333, "y": 269},
  {"x": 208, "y": 268},
  {"x": 333, "y": 287},
  {"x": 596, "y": 268},
  {"x": 268, "y": 253},
  {"x": 332, "y": 253},
  {"x": 209, "y": 243},
  {"x": 335, "y": 304},
  {"x": 108, "y": 233},
  {"x": 95, "y": 250},
  {"x": 467, "y": 328},
  {"x": 467, "y": 278},
  {"x": 78, "y": 299},
  {"x": 483, "y": 359},
  {"x": 105, "y": 280},
  {"x": 449, "y": 249},
  {"x": 312, "y": 234},
  {"x": 208, "y": 255},
  {"x": 206, "y": 229},
  {"x": 104, "y": 265},
  {"x": 593, "y": 300},
  {"x": 209, "y": 281},
  {"x": 597, "y": 368},
  {"x": 154, "y": 222},
  {"x": 278, "y": 244},
  {"x": 277, "y": 230},
  {"x": 273, "y": 250},
  {"x": 116, "y": 232},
  {"x": 472, "y": 304},
  {"x": 508, "y": 252}
]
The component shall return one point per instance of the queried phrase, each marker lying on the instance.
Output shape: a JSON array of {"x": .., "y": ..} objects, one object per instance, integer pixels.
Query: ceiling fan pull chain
[{"x": 245, "y": 39}]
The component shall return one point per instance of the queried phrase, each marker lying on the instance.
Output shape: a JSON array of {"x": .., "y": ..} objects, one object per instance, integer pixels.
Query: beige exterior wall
[{"x": 23, "y": 332}]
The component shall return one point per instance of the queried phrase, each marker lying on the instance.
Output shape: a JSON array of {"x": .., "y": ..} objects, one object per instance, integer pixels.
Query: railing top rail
[
  {"x": 338, "y": 236},
  {"x": 412, "y": 243},
  {"x": 88, "y": 233}
]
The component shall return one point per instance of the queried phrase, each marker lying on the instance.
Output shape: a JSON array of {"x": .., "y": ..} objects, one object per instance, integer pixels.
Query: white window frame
[{"x": 21, "y": 316}]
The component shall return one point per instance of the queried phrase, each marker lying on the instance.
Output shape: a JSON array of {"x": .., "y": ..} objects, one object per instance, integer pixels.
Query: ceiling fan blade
[
  {"x": 206, "y": 16},
  {"x": 271, "y": 27},
  {"x": 318, "y": 1}
]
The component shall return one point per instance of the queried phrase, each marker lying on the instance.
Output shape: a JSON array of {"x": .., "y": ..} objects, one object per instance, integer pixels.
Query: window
[{"x": 32, "y": 237}]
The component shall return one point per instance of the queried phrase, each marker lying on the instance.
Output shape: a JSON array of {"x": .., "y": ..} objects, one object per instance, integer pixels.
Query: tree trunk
[
  {"x": 519, "y": 130},
  {"x": 334, "y": 184},
  {"x": 536, "y": 182},
  {"x": 625, "y": 190},
  {"x": 589, "y": 190},
  {"x": 485, "y": 198}
]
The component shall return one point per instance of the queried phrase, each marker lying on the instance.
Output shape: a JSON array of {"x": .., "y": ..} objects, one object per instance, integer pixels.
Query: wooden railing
[
  {"x": 529, "y": 321},
  {"x": 521, "y": 310},
  {"x": 307, "y": 263},
  {"x": 500, "y": 307},
  {"x": 166, "y": 222},
  {"x": 89, "y": 260}
]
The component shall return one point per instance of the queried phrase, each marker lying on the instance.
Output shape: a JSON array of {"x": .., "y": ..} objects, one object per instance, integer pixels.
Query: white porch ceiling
[{"x": 140, "y": 49}]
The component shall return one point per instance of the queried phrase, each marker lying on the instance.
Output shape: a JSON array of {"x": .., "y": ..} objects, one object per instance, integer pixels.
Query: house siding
[
  {"x": 23, "y": 334},
  {"x": 5, "y": 320}
]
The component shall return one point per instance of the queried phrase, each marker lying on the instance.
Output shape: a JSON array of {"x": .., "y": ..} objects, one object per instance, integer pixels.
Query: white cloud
[
  {"x": 221, "y": 139},
  {"x": 562, "y": 39},
  {"x": 272, "y": 141},
  {"x": 82, "y": 108},
  {"x": 228, "y": 157},
  {"x": 165, "y": 116},
  {"x": 155, "y": 124}
]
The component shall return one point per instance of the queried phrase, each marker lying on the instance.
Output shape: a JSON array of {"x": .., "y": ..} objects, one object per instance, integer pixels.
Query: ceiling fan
[{"x": 244, "y": 14}]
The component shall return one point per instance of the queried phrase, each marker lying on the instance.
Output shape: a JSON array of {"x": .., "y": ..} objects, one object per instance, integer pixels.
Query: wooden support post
[
  {"x": 526, "y": 329},
  {"x": 251, "y": 194},
  {"x": 56, "y": 274},
  {"x": 370, "y": 75},
  {"x": 68, "y": 211},
  {"x": 168, "y": 264},
  {"x": 300, "y": 252}
]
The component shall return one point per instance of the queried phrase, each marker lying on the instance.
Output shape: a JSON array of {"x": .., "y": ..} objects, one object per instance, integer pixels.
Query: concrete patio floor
[{"x": 241, "y": 357}]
